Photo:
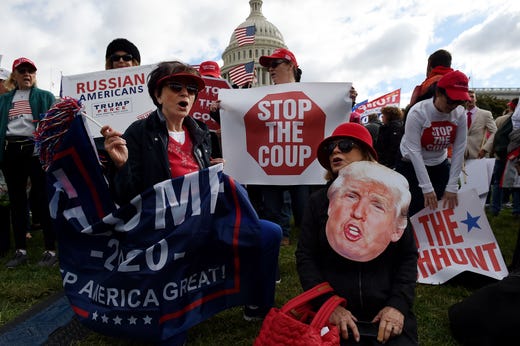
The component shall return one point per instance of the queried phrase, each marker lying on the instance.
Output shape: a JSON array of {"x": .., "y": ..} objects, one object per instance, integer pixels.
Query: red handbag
[{"x": 297, "y": 324}]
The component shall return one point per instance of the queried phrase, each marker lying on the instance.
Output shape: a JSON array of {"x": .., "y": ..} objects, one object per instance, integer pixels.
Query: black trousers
[
  {"x": 5, "y": 229},
  {"x": 439, "y": 176},
  {"x": 19, "y": 165}
]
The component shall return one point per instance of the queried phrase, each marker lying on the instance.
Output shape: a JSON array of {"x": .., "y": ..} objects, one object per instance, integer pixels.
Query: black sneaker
[
  {"x": 254, "y": 313},
  {"x": 48, "y": 259},
  {"x": 19, "y": 258}
]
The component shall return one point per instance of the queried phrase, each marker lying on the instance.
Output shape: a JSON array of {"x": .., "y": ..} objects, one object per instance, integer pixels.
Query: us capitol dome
[{"x": 267, "y": 39}]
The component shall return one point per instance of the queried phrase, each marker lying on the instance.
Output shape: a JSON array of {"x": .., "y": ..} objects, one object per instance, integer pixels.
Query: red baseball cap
[
  {"x": 184, "y": 76},
  {"x": 456, "y": 85},
  {"x": 279, "y": 53},
  {"x": 21, "y": 61},
  {"x": 351, "y": 130},
  {"x": 209, "y": 68}
]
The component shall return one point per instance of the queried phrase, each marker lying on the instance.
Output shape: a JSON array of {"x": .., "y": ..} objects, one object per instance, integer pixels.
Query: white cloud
[{"x": 378, "y": 45}]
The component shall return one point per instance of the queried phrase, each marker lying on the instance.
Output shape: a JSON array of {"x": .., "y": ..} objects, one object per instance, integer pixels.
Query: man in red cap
[
  {"x": 439, "y": 63},
  {"x": 209, "y": 69},
  {"x": 431, "y": 127}
]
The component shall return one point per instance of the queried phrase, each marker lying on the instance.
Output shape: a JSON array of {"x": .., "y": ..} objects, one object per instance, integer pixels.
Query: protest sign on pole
[
  {"x": 114, "y": 97},
  {"x": 270, "y": 134},
  {"x": 451, "y": 241}
]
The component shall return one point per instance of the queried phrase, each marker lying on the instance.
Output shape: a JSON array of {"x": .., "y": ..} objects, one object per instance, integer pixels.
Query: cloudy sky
[{"x": 379, "y": 45}]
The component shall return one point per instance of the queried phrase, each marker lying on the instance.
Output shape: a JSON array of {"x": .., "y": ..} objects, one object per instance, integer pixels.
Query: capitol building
[{"x": 267, "y": 39}]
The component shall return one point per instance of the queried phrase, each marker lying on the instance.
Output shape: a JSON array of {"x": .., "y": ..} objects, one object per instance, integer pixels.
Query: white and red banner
[
  {"x": 451, "y": 241},
  {"x": 115, "y": 97},
  {"x": 270, "y": 134},
  {"x": 200, "y": 109},
  {"x": 391, "y": 99},
  {"x": 119, "y": 97}
]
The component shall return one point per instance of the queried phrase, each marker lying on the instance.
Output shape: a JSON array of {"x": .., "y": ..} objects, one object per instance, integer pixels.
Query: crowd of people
[{"x": 354, "y": 230}]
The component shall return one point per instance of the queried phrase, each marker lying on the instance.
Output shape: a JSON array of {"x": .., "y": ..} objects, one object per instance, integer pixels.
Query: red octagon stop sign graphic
[{"x": 283, "y": 132}]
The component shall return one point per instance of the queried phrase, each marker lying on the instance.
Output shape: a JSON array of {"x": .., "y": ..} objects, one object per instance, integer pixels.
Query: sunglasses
[
  {"x": 344, "y": 145},
  {"x": 454, "y": 102},
  {"x": 24, "y": 70},
  {"x": 275, "y": 63},
  {"x": 126, "y": 57},
  {"x": 177, "y": 87}
]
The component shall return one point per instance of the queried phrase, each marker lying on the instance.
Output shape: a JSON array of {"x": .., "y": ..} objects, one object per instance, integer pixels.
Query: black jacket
[
  {"x": 147, "y": 143},
  {"x": 389, "y": 139},
  {"x": 388, "y": 280}
]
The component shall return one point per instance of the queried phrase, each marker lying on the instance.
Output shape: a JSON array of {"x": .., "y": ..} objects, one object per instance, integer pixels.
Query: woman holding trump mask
[{"x": 354, "y": 235}]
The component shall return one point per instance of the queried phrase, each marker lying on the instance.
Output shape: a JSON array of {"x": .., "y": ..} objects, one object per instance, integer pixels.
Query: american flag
[
  {"x": 21, "y": 107},
  {"x": 245, "y": 35},
  {"x": 242, "y": 74}
]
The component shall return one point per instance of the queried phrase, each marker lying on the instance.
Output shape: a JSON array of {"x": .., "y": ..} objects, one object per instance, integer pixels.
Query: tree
[{"x": 491, "y": 103}]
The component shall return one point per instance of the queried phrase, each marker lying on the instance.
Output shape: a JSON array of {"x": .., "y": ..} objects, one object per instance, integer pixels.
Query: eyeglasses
[
  {"x": 275, "y": 63},
  {"x": 24, "y": 70},
  {"x": 177, "y": 87},
  {"x": 454, "y": 102},
  {"x": 126, "y": 57},
  {"x": 345, "y": 145}
]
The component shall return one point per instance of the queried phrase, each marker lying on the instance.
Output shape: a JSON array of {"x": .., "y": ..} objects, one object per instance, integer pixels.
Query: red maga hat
[
  {"x": 456, "y": 85},
  {"x": 279, "y": 53},
  {"x": 209, "y": 68},
  {"x": 21, "y": 61}
]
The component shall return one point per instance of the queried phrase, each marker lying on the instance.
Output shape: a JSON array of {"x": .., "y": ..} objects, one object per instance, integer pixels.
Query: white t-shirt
[
  {"x": 20, "y": 120},
  {"x": 427, "y": 135},
  {"x": 180, "y": 137}
]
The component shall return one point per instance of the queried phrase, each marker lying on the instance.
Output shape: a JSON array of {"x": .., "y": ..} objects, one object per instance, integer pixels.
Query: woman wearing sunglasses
[
  {"x": 431, "y": 127},
  {"x": 168, "y": 144},
  {"x": 379, "y": 291},
  {"x": 168, "y": 133},
  {"x": 121, "y": 53}
]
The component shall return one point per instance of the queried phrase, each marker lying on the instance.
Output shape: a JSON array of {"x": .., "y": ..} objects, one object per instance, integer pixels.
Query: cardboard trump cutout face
[{"x": 368, "y": 204}]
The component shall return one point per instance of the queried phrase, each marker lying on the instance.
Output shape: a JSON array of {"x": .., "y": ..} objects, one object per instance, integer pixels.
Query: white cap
[{"x": 4, "y": 74}]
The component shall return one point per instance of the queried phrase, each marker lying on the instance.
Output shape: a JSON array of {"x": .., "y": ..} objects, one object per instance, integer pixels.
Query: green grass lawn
[{"x": 23, "y": 287}]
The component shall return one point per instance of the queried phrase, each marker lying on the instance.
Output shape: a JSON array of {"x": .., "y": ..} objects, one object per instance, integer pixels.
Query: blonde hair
[
  {"x": 367, "y": 171},
  {"x": 10, "y": 82}
]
